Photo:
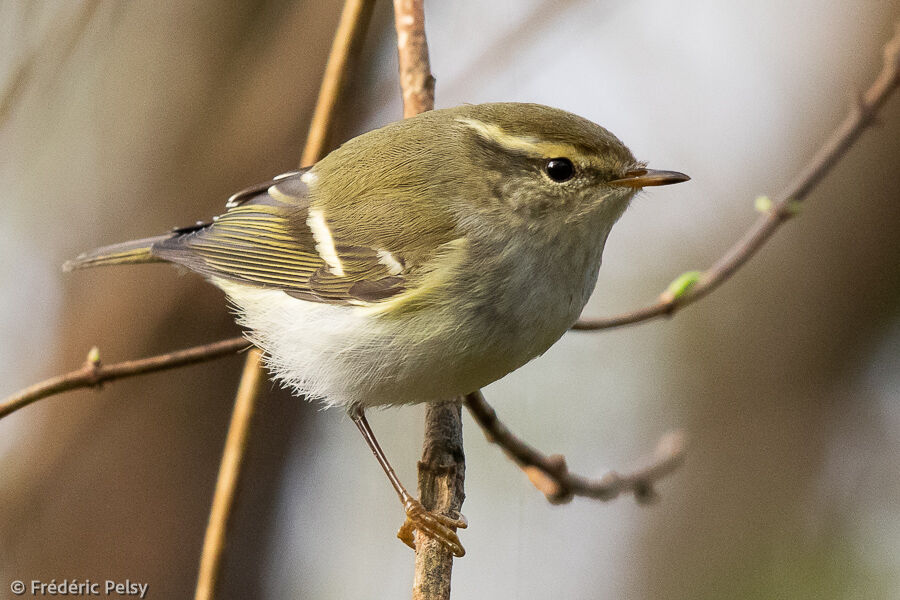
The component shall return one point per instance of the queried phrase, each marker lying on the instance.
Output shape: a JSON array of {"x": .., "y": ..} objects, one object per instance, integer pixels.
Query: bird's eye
[{"x": 560, "y": 169}]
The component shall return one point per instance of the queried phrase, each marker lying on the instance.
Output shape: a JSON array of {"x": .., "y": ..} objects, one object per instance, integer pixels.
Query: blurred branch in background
[
  {"x": 94, "y": 373},
  {"x": 551, "y": 476},
  {"x": 228, "y": 480},
  {"x": 63, "y": 37},
  {"x": 692, "y": 286},
  {"x": 347, "y": 41}
]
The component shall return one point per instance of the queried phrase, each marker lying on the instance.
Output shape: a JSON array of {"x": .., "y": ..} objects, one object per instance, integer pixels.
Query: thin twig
[
  {"x": 442, "y": 470},
  {"x": 347, "y": 40},
  {"x": 551, "y": 476},
  {"x": 416, "y": 80},
  {"x": 228, "y": 478},
  {"x": 93, "y": 373},
  {"x": 783, "y": 207}
]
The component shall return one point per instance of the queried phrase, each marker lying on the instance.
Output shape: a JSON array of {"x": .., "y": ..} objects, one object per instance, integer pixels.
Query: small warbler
[{"x": 417, "y": 262}]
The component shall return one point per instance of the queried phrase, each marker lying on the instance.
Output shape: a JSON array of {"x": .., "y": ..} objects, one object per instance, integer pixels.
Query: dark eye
[{"x": 560, "y": 169}]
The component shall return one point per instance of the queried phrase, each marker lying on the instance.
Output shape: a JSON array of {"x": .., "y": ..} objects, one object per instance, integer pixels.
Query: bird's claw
[{"x": 436, "y": 526}]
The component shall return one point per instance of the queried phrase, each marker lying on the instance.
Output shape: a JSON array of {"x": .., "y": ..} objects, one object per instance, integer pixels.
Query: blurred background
[{"x": 122, "y": 119}]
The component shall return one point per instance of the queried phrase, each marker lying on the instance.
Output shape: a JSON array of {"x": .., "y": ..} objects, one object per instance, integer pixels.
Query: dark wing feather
[
  {"x": 264, "y": 240},
  {"x": 290, "y": 183}
]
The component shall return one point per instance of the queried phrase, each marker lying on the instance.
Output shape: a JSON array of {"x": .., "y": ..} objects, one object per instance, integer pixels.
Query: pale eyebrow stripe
[
  {"x": 324, "y": 241},
  {"x": 494, "y": 133}
]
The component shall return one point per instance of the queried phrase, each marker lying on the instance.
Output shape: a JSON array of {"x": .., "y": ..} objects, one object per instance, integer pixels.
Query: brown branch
[
  {"x": 93, "y": 373},
  {"x": 551, "y": 476},
  {"x": 442, "y": 470},
  {"x": 416, "y": 81},
  {"x": 347, "y": 40},
  {"x": 784, "y": 205},
  {"x": 229, "y": 477},
  {"x": 441, "y": 479}
]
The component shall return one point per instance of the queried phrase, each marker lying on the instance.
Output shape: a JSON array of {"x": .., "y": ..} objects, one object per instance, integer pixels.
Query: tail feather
[{"x": 133, "y": 252}]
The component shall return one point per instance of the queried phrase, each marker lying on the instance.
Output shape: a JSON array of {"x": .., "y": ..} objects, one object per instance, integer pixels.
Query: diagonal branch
[
  {"x": 347, "y": 44},
  {"x": 93, "y": 373},
  {"x": 63, "y": 38},
  {"x": 227, "y": 480},
  {"x": 551, "y": 476},
  {"x": 348, "y": 38},
  {"x": 783, "y": 207}
]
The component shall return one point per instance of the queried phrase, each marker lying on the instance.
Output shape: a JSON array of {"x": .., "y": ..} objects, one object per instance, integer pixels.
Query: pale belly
[{"x": 345, "y": 355}]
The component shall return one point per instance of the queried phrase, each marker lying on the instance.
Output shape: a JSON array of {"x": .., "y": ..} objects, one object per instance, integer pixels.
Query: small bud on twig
[{"x": 680, "y": 285}]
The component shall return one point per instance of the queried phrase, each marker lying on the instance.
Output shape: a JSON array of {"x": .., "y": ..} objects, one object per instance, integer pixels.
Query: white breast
[{"x": 352, "y": 355}]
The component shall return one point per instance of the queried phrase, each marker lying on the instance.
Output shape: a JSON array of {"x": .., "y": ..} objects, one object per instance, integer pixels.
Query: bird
[{"x": 416, "y": 262}]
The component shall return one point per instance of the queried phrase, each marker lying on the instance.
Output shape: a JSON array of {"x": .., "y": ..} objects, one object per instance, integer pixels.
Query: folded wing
[{"x": 271, "y": 237}]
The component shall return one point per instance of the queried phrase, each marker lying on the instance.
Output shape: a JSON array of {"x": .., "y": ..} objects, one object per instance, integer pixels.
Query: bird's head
[{"x": 546, "y": 167}]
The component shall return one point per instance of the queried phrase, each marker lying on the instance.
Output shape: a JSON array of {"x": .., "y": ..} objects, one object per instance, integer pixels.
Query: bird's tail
[{"x": 133, "y": 252}]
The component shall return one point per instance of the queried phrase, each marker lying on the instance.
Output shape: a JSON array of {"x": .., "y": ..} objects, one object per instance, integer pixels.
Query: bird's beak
[{"x": 638, "y": 178}]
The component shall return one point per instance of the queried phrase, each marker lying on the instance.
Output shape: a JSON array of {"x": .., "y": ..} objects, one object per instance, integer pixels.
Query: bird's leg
[{"x": 436, "y": 526}]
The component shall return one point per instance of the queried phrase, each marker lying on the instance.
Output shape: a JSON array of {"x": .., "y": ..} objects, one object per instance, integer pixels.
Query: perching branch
[
  {"x": 416, "y": 80},
  {"x": 861, "y": 115},
  {"x": 347, "y": 40},
  {"x": 93, "y": 373},
  {"x": 442, "y": 470},
  {"x": 551, "y": 476}
]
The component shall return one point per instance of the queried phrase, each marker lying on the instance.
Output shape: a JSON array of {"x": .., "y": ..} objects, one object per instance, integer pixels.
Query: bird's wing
[{"x": 272, "y": 237}]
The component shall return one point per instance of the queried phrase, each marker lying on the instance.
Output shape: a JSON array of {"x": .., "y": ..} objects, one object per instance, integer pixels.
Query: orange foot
[{"x": 435, "y": 526}]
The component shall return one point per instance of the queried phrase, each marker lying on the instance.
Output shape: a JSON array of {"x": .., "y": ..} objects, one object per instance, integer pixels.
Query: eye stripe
[{"x": 529, "y": 145}]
